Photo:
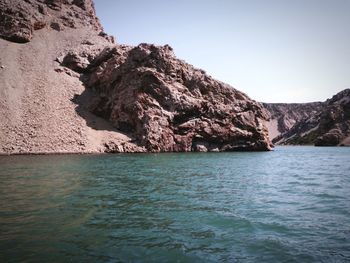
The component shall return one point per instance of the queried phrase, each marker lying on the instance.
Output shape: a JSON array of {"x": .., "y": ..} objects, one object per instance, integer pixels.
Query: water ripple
[{"x": 289, "y": 205}]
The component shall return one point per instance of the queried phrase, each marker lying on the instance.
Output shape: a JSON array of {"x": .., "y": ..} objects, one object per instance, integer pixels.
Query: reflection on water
[{"x": 290, "y": 205}]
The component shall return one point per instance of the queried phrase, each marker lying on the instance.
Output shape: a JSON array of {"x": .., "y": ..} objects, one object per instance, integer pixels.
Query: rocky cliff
[
  {"x": 283, "y": 116},
  {"x": 67, "y": 87},
  {"x": 20, "y": 19},
  {"x": 319, "y": 123}
]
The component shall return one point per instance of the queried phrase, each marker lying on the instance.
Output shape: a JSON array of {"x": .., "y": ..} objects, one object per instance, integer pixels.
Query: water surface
[{"x": 289, "y": 205}]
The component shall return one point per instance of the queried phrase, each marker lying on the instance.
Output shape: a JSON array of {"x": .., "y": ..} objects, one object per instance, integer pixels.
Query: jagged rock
[
  {"x": 55, "y": 4},
  {"x": 200, "y": 147},
  {"x": 75, "y": 61},
  {"x": 67, "y": 71},
  {"x": 112, "y": 147},
  {"x": 56, "y": 26},
  {"x": 87, "y": 42},
  {"x": 334, "y": 126},
  {"x": 320, "y": 123},
  {"x": 18, "y": 19},
  {"x": 168, "y": 105},
  {"x": 283, "y": 116},
  {"x": 39, "y": 25},
  {"x": 42, "y": 9},
  {"x": 85, "y": 56},
  {"x": 15, "y": 25},
  {"x": 331, "y": 138},
  {"x": 134, "y": 99},
  {"x": 107, "y": 37}
]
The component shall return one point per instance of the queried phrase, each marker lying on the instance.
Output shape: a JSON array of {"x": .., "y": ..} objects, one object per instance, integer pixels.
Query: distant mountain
[
  {"x": 65, "y": 86},
  {"x": 319, "y": 123}
]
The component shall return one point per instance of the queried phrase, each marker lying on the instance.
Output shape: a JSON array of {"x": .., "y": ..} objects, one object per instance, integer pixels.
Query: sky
[{"x": 272, "y": 50}]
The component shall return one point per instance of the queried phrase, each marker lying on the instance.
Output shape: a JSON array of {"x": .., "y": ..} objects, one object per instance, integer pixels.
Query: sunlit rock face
[
  {"x": 168, "y": 105},
  {"x": 19, "y": 19},
  {"x": 78, "y": 91}
]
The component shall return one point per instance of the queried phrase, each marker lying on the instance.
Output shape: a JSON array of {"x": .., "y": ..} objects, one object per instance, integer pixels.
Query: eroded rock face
[
  {"x": 168, "y": 105},
  {"x": 19, "y": 18},
  {"x": 15, "y": 24},
  {"x": 320, "y": 123},
  {"x": 286, "y": 115},
  {"x": 77, "y": 91},
  {"x": 334, "y": 124}
]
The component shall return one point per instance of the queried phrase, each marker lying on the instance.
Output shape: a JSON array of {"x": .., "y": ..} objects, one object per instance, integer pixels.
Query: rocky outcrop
[
  {"x": 319, "y": 123},
  {"x": 168, "y": 105},
  {"x": 19, "y": 19},
  {"x": 334, "y": 125},
  {"x": 77, "y": 91},
  {"x": 284, "y": 116}
]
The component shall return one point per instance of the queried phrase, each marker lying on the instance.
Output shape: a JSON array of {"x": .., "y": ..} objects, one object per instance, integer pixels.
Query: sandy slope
[{"x": 36, "y": 107}]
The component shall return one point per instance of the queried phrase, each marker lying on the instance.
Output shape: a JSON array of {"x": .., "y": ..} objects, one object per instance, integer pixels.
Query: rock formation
[
  {"x": 67, "y": 87},
  {"x": 319, "y": 123},
  {"x": 19, "y": 19},
  {"x": 283, "y": 116}
]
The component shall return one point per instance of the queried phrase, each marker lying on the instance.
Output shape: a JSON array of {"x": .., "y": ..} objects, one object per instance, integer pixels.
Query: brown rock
[
  {"x": 39, "y": 25},
  {"x": 135, "y": 99},
  {"x": 56, "y": 26},
  {"x": 14, "y": 25},
  {"x": 168, "y": 105},
  {"x": 42, "y": 9},
  {"x": 75, "y": 62},
  {"x": 107, "y": 37},
  {"x": 331, "y": 138},
  {"x": 54, "y": 4},
  {"x": 18, "y": 19},
  {"x": 320, "y": 123},
  {"x": 283, "y": 116}
]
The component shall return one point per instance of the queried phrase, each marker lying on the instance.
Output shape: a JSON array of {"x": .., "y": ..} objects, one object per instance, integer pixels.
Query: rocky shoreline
[{"x": 66, "y": 86}]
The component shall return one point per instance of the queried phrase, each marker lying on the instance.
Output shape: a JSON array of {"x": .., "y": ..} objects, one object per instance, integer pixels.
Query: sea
[{"x": 288, "y": 205}]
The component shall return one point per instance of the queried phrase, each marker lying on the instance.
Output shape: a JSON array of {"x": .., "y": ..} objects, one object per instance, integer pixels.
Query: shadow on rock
[{"x": 85, "y": 102}]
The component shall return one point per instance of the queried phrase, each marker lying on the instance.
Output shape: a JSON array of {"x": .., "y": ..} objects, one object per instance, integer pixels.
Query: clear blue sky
[{"x": 273, "y": 50}]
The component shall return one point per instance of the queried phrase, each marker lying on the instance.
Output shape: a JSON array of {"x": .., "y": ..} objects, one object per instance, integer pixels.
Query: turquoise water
[{"x": 289, "y": 205}]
